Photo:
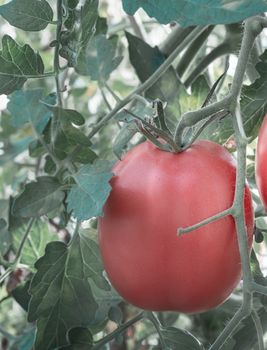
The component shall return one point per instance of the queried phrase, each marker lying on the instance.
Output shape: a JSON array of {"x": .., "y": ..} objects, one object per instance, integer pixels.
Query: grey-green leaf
[
  {"x": 38, "y": 198},
  {"x": 29, "y": 15},
  {"x": 175, "y": 338},
  {"x": 61, "y": 290},
  {"x": 98, "y": 59},
  {"x": 36, "y": 242},
  {"x": 92, "y": 188},
  {"x": 26, "y": 107},
  {"x": 197, "y": 12},
  {"x": 17, "y": 63}
]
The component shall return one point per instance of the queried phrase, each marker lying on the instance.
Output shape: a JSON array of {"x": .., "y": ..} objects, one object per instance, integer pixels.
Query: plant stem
[
  {"x": 243, "y": 312},
  {"x": 29, "y": 76},
  {"x": 207, "y": 221},
  {"x": 177, "y": 36},
  {"x": 259, "y": 329},
  {"x": 24, "y": 239},
  {"x": 57, "y": 47},
  {"x": 217, "y": 52},
  {"x": 192, "y": 50},
  {"x": 99, "y": 344}
]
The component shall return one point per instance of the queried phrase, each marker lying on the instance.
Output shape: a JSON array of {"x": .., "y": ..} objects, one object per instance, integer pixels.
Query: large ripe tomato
[
  {"x": 261, "y": 163},
  {"x": 155, "y": 193}
]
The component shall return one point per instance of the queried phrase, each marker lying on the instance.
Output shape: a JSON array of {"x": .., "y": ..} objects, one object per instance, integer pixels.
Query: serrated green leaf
[
  {"x": 38, "y": 198},
  {"x": 26, "y": 107},
  {"x": 16, "y": 64},
  {"x": 64, "y": 279},
  {"x": 92, "y": 188},
  {"x": 40, "y": 235},
  {"x": 67, "y": 131},
  {"x": 197, "y": 12},
  {"x": 175, "y": 338},
  {"x": 99, "y": 58},
  {"x": 29, "y": 15}
]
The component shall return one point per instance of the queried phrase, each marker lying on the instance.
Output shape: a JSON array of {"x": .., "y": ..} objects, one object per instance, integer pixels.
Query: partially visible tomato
[
  {"x": 261, "y": 163},
  {"x": 155, "y": 193}
]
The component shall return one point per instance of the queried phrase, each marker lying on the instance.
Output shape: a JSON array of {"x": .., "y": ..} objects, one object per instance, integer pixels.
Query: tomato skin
[
  {"x": 154, "y": 193},
  {"x": 261, "y": 163}
]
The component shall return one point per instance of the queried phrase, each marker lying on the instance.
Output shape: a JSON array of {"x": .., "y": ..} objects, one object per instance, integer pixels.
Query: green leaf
[
  {"x": 92, "y": 188},
  {"x": 16, "y": 64},
  {"x": 83, "y": 155},
  {"x": 80, "y": 335},
  {"x": 29, "y": 15},
  {"x": 175, "y": 338},
  {"x": 145, "y": 60},
  {"x": 197, "y": 12},
  {"x": 34, "y": 247},
  {"x": 99, "y": 58},
  {"x": 67, "y": 131},
  {"x": 26, "y": 106},
  {"x": 61, "y": 290},
  {"x": 21, "y": 295},
  {"x": 38, "y": 198}
]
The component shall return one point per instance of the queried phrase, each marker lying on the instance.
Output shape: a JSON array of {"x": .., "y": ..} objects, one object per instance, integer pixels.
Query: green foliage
[
  {"x": 16, "y": 64},
  {"x": 100, "y": 58},
  {"x": 87, "y": 197},
  {"x": 27, "y": 107},
  {"x": 197, "y": 12},
  {"x": 34, "y": 247},
  {"x": 38, "y": 198},
  {"x": 174, "y": 338},
  {"x": 28, "y": 15},
  {"x": 64, "y": 278}
]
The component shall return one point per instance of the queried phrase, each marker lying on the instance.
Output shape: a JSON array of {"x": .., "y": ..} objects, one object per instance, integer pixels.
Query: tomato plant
[
  {"x": 261, "y": 163},
  {"x": 153, "y": 194}
]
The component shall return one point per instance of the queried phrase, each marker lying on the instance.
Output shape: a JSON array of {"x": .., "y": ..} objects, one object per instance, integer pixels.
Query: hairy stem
[{"x": 118, "y": 331}]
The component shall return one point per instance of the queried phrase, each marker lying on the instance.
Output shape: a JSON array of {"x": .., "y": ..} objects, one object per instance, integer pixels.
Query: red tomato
[
  {"x": 155, "y": 193},
  {"x": 261, "y": 163}
]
